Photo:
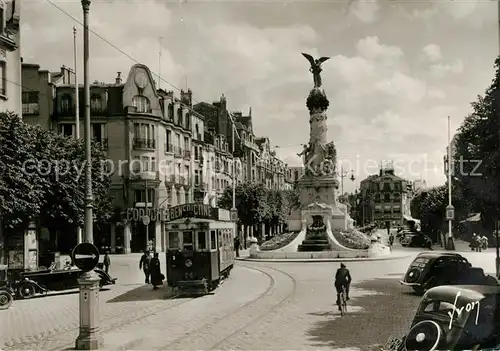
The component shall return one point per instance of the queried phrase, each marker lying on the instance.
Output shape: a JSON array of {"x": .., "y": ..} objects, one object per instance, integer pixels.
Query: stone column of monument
[{"x": 319, "y": 183}]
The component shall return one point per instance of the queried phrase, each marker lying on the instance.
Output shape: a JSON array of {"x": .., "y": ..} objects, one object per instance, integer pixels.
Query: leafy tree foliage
[
  {"x": 477, "y": 156},
  {"x": 42, "y": 176},
  {"x": 256, "y": 204}
]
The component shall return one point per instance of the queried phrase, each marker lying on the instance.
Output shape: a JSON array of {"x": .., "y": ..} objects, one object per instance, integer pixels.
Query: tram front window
[
  {"x": 173, "y": 240},
  {"x": 202, "y": 241},
  {"x": 187, "y": 241}
]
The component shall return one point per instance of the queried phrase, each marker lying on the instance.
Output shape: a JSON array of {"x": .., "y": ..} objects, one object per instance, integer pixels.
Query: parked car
[
  {"x": 430, "y": 269},
  {"x": 453, "y": 318},
  {"x": 6, "y": 291},
  {"x": 27, "y": 284},
  {"x": 416, "y": 239}
]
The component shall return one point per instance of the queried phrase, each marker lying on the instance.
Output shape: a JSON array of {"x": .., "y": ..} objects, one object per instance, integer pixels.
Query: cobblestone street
[{"x": 264, "y": 305}]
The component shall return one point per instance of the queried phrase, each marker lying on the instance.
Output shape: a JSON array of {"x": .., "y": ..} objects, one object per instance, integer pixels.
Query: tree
[
  {"x": 21, "y": 192},
  {"x": 251, "y": 202},
  {"x": 42, "y": 178},
  {"x": 477, "y": 163}
]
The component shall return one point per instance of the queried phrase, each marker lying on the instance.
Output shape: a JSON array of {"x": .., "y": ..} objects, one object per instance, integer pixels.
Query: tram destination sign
[{"x": 192, "y": 210}]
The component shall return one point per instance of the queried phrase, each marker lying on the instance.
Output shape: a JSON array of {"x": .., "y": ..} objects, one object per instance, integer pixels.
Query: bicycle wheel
[{"x": 343, "y": 303}]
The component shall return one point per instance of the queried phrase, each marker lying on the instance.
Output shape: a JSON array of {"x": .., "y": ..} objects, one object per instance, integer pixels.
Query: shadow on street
[
  {"x": 388, "y": 313},
  {"x": 145, "y": 293}
]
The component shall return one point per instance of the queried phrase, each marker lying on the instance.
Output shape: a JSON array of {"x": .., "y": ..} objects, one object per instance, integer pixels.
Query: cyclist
[{"x": 342, "y": 279}]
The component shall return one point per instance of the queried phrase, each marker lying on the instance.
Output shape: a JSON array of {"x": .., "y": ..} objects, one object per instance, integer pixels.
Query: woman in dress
[{"x": 156, "y": 276}]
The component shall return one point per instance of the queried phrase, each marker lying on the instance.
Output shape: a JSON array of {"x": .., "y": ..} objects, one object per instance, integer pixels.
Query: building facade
[
  {"x": 10, "y": 57},
  {"x": 385, "y": 198},
  {"x": 38, "y": 91}
]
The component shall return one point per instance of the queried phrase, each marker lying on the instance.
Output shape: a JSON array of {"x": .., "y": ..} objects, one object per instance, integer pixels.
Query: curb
[{"x": 315, "y": 260}]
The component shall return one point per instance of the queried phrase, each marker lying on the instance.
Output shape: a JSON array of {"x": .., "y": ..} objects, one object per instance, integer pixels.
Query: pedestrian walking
[
  {"x": 106, "y": 262},
  {"x": 156, "y": 275},
  {"x": 484, "y": 242},
  {"x": 145, "y": 265},
  {"x": 391, "y": 240},
  {"x": 237, "y": 246}
]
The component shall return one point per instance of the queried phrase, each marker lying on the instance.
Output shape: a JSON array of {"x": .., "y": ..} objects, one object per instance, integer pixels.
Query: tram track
[
  {"x": 237, "y": 320},
  {"x": 43, "y": 340}
]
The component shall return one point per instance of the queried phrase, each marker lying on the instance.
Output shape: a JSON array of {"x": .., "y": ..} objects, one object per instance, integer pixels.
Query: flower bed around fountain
[
  {"x": 352, "y": 238},
  {"x": 278, "y": 241}
]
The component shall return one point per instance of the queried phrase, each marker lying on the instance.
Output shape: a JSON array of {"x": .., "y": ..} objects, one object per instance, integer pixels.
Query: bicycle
[{"x": 343, "y": 301}]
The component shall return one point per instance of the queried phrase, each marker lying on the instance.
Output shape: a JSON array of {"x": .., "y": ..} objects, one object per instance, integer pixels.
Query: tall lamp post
[
  {"x": 89, "y": 337},
  {"x": 450, "y": 210},
  {"x": 234, "y": 210},
  {"x": 77, "y": 112}
]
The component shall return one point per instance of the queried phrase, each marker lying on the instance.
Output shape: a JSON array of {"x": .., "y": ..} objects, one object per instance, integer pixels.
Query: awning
[{"x": 474, "y": 218}]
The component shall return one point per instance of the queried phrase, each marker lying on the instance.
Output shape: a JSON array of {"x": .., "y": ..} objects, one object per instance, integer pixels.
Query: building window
[
  {"x": 197, "y": 132},
  {"x": 387, "y": 197},
  {"x": 30, "y": 100},
  {"x": 3, "y": 76},
  {"x": 140, "y": 196},
  {"x": 186, "y": 121},
  {"x": 66, "y": 103},
  {"x": 171, "y": 111},
  {"x": 141, "y": 104},
  {"x": 196, "y": 177},
  {"x": 96, "y": 103},
  {"x": 99, "y": 132},
  {"x": 179, "y": 116},
  {"x": 67, "y": 129}
]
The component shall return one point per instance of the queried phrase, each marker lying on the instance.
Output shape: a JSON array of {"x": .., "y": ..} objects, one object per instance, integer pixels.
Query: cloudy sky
[{"x": 398, "y": 68}]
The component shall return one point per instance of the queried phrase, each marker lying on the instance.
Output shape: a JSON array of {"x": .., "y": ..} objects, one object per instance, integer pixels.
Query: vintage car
[
  {"x": 6, "y": 291},
  {"x": 27, "y": 284},
  {"x": 459, "y": 317},
  {"x": 433, "y": 268},
  {"x": 416, "y": 239}
]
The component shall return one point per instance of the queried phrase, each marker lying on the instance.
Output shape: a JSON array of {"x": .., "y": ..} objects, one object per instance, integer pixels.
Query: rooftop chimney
[{"x": 118, "y": 79}]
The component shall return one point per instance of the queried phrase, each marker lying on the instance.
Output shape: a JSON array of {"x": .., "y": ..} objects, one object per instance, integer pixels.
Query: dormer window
[
  {"x": 96, "y": 103},
  {"x": 171, "y": 111},
  {"x": 179, "y": 116},
  {"x": 66, "y": 103},
  {"x": 141, "y": 104}
]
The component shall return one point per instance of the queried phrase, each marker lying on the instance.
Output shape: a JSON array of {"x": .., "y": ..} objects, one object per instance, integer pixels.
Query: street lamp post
[
  {"x": 77, "y": 112},
  {"x": 342, "y": 176},
  {"x": 89, "y": 337},
  {"x": 234, "y": 211},
  {"x": 450, "y": 210}
]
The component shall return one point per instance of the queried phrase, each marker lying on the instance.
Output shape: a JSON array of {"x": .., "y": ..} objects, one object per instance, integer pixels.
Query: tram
[{"x": 200, "y": 247}]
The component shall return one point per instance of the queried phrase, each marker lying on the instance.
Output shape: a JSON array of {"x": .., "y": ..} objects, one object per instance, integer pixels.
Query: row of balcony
[
  {"x": 177, "y": 151},
  {"x": 141, "y": 143}
]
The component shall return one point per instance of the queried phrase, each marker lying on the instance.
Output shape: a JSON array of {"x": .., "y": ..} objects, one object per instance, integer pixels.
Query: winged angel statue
[{"x": 316, "y": 68}]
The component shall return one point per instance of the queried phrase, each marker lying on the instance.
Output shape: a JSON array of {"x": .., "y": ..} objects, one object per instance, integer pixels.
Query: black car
[
  {"x": 416, "y": 239},
  {"x": 430, "y": 269},
  {"x": 455, "y": 318}
]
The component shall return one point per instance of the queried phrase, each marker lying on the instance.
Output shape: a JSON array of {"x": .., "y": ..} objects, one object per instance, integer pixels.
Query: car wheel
[
  {"x": 5, "y": 300},
  {"x": 26, "y": 290},
  {"x": 424, "y": 336}
]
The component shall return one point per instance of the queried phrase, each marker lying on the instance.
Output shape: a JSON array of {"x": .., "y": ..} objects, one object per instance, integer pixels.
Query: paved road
[{"x": 264, "y": 305}]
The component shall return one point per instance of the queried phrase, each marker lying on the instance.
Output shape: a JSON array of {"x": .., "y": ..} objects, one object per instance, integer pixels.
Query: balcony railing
[
  {"x": 139, "y": 143},
  {"x": 187, "y": 154},
  {"x": 30, "y": 108},
  {"x": 169, "y": 148},
  {"x": 200, "y": 186},
  {"x": 170, "y": 179}
]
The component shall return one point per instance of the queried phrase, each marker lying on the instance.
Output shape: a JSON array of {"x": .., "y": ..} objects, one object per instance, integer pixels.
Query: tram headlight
[{"x": 188, "y": 263}]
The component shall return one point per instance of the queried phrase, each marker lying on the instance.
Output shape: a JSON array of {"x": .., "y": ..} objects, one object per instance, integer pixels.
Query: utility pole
[
  {"x": 343, "y": 175},
  {"x": 234, "y": 210},
  {"x": 450, "y": 210},
  {"x": 159, "y": 63},
  {"x": 89, "y": 337},
  {"x": 77, "y": 112}
]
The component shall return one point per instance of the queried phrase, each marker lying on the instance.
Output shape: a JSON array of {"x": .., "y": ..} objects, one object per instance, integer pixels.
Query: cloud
[
  {"x": 432, "y": 52},
  {"x": 441, "y": 70},
  {"x": 370, "y": 48},
  {"x": 366, "y": 11}
]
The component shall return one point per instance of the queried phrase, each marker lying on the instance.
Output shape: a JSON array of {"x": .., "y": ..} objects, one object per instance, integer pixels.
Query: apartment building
[{"x": 10, "y": 57}]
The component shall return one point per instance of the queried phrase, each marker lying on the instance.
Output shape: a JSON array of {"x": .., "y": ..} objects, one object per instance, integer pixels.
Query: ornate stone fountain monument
[{"x": 319, "y": 183}]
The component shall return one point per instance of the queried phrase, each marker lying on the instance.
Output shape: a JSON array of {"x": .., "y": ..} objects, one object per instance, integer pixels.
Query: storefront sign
[{"x": 192, "y": 210}]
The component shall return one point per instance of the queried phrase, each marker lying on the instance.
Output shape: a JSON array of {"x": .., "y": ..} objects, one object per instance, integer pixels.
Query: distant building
[
  {"x": 296, "y": 173},
  {"x": 38, "y": 91},
  {"x": 419, "y": 185},
  {"x": 10, "y": 57},
  {"x": 385, "y": 198}
]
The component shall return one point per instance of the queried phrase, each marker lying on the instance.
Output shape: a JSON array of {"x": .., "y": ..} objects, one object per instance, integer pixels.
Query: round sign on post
[
  {"x": 85, "y": 256},
  {"x": 234, "y": 214},
  {"x": 146, "y": 220}
]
